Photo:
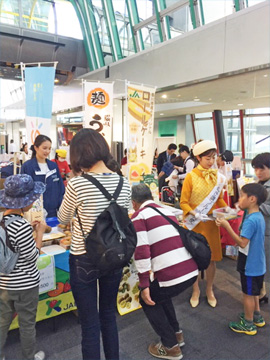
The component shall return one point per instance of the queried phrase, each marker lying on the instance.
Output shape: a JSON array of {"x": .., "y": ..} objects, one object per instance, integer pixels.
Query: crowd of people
[{"x": 165, "y": 268}]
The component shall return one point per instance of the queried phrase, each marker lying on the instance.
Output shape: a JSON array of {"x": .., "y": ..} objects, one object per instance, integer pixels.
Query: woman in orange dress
[{"x": 201, "y": 194}]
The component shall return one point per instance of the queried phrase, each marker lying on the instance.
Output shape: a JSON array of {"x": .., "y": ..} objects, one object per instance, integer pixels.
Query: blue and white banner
[{"x": 39, "y": 83}]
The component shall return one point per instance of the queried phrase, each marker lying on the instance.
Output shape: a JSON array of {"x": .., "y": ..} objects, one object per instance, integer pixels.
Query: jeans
[
  {"x": 162, "y": 315},
  {"x": 25, "y": 303},
  {"x": 95, "y": 296}
]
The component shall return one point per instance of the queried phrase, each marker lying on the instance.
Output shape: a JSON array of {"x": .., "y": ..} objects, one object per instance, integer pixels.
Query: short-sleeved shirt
[
  {"x": 25, "y": 275},
  {"x": 251, "y": 259},
  {"x": 63, "y": 167}
]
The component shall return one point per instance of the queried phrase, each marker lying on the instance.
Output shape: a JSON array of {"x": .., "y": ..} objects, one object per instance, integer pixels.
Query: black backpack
[
  {"x": 196, "y": 244},
  {"x": 113, "y": 239}
]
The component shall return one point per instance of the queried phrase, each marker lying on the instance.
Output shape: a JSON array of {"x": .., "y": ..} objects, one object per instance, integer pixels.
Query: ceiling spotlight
[
  {"x": 179, "y": 95},
  {"x": 161, "y": 114},
  {"x": 240, "y": 104},
  {"x": 196, "y": 100},
  {"x": 265, "y": 75},
  {"x": 164, "y": 96},
  {"x": 209, "y": 99},
  {"x": 224, "y": 100}
]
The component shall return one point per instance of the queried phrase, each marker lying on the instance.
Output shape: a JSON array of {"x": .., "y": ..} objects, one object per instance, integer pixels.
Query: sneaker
[
  {"x": 160, "y": 351},
  {"x": 40, "y": 355},
  {"x": 180, "y": 338},
  {"x": 259, "y": 322},
  {"x": 242, "y": 327}
]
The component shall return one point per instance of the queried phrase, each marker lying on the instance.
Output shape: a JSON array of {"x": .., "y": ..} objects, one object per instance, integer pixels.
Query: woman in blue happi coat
[{"x": 46, "y": 171}]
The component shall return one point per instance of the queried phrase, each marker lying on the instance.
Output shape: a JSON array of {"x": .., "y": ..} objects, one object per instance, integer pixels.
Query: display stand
[{"x": 58, "y": 301}]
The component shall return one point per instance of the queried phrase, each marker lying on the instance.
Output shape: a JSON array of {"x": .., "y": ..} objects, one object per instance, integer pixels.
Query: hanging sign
[
  {"x": 98, "y": 102},
  {"x": 39, "y": 83},
  {"x": 140, "y": 119}
]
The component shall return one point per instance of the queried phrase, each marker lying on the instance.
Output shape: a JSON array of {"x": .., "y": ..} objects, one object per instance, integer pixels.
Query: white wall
[{"x": 181, "y": 128}]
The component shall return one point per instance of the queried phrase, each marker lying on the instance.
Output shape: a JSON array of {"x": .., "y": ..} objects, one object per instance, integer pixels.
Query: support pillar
[{"x": 219, "y": 130}]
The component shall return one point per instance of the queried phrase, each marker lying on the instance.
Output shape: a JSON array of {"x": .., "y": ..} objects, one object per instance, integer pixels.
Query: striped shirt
[
  {"x": 25, "y": 275},
  {"x": 160, "y": 248},
  {"x": 85, "y": 198}
]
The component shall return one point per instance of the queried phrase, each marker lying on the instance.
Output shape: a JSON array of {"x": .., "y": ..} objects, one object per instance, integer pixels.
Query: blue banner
[{"x": 39, "y": 83}]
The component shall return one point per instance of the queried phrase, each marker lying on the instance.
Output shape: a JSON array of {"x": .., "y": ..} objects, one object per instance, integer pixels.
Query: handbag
[{"x": 196, "y": 244}]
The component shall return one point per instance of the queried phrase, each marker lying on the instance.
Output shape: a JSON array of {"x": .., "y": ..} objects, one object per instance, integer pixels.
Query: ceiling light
[
  {"x": 265, "y": 75},
  {"x": 240, "y": 104},
  {"x": 196, "y": 100},
  {"x": 179, "y": 95},
  {"x": 56, "y": 80},
  {"x": 210, "y": 99},
  {"x": 161, "y": 114},
  {"x": 164, "y": 96},
  {"x": 224, "y": 100}
]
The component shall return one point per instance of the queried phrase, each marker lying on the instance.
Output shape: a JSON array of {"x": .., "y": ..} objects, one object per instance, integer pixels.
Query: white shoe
[{"x": 40, "y": 355}]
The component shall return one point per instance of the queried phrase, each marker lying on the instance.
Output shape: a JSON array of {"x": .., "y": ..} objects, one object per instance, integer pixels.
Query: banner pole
[
  {"x": 125, "y": 123},
  {"x": 83, "y": 100}
]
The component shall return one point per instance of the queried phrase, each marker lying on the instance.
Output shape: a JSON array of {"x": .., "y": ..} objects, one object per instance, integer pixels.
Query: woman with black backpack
[{"x": 89, "y": 154}]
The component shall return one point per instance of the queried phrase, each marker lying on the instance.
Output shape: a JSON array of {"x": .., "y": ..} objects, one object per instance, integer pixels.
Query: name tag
[
  {"x": 50, "y": 173},
  {"x": 39, "y": 172}
]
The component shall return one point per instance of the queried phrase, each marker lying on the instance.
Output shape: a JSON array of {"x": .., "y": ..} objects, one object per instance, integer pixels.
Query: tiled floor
[{"x": 206, "y": 330}]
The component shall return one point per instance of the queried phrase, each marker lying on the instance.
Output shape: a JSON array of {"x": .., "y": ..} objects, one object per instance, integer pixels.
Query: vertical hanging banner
[
  {"x": 98, "y": 101},
  {"x": 140, "y": 119},
  {"x": 39, "y": 83}
]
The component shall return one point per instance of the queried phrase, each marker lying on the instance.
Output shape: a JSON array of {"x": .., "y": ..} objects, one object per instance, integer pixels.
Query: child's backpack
[
  {"x": 113, "y": 239},
  {"x": 8, "y": 255}
]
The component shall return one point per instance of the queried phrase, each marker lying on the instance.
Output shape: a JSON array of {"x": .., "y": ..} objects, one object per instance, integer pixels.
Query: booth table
[{"x": 54, "y": 302}]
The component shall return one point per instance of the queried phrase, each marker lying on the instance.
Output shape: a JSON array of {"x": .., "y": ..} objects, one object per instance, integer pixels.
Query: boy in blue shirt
[{"x": 251, "y": 259}]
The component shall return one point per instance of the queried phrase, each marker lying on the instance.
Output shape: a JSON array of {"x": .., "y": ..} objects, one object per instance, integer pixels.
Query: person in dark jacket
[
  {"x": 165, "y": 156},
  {"x": 46, "y": 171}
]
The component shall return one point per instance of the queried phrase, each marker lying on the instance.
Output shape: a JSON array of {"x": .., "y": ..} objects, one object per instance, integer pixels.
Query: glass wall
[
  {"x": 204, "y": 127},
  {"x": 48, "y": 16},
  {"x": 256, "y": 132},
  {"x": 173, "y": 18}
]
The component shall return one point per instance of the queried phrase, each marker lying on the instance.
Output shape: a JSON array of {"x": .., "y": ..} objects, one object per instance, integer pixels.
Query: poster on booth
[
  {"x": 39, "y": 83},
  {"x": 152, "y": 182},
  {"x": 98, "y": 108},
  {"x": 46, "y": 269},
  {"x": 140, "y": 120},
  {"x": 59, "y": 299},
  {"x": 128, "y": 292}
]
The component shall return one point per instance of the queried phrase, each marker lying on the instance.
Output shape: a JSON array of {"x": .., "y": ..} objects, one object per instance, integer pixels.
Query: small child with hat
[
  {"x": 60, "y": 159},
  {"x": 19, "y": 290}
]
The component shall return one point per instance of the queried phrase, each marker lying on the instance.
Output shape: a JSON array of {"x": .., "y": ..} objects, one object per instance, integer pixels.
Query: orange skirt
[{"x": 211, "y": 232}]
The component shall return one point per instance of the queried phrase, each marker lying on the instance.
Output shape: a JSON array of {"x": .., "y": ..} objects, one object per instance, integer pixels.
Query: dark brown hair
[
  {"x": 261, "y": 160},
  {"x": 38, "y": 141},
  {"x": 256, "y": 190},
  {"x": 87, "y": 148}
]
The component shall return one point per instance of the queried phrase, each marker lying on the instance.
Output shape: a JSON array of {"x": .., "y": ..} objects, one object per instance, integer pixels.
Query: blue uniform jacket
[{"x": 55, "y": 188}]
